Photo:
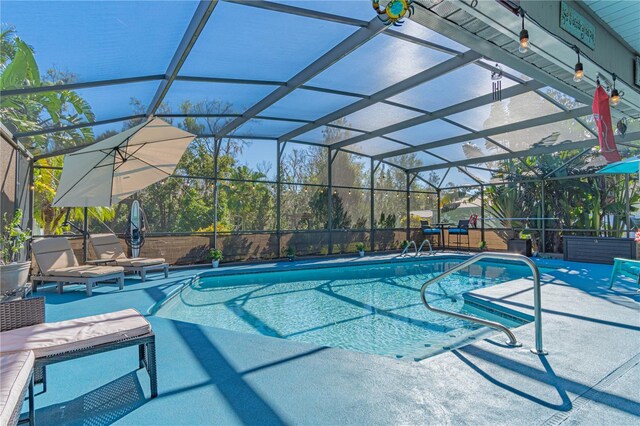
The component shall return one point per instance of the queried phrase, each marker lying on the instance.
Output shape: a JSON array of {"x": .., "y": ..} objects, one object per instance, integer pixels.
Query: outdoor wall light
[
  {"x": 578, "y": 74},
  {"x": 615, "y": 95},
  {"x": 524, "y": 36}
]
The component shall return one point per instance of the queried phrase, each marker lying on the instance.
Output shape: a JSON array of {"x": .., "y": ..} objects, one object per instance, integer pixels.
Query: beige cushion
[
  {"x": 81, "y": 333},
  {"x": 140, "y": 261},
  {"x": 85, "y": 271},
  {"x": 15, "y": 369},
  {"x": 107, "y": 246},
  {"x": 53, "y": 253}
]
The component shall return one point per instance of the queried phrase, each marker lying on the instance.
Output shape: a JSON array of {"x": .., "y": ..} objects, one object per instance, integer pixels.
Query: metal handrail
[
  {"x": 426, "y": 241},
  {"x": 536, "y": 297},
  {"x": 406, "y": 249}
]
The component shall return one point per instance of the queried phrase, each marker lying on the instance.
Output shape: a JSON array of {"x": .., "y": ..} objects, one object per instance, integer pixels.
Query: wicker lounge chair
[
  {"x": 16, "y": 377},
  {"x": 22, "y": 328},
  {"x": 58, "y": 263},
  {"x": 109, "y": 250}
]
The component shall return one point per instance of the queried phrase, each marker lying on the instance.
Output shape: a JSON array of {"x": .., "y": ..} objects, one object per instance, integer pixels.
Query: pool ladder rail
[
  {"x": 536, "y": 297},
  {"x": 418, "y": 249}
]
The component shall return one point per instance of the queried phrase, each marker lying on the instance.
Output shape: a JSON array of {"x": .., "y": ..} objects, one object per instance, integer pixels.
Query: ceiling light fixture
[
  {"x": 578, "y": 74},
  {"x": 524, "y": 36},
  {"x": 615, "y": 95}
]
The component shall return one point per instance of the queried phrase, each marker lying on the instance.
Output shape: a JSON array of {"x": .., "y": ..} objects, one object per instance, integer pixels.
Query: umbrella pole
[{"x": 85, "y": 227}]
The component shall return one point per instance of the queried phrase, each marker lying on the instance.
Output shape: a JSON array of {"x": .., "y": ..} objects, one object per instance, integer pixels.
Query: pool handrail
[
  {"x": 426, "y": 241},
  {"x": 536, "y": 297},
  {"x": 406, "y": 249}
]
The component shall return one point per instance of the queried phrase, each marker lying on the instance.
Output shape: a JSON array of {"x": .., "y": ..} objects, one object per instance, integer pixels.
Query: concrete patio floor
[{"x": 214, "y": 376}]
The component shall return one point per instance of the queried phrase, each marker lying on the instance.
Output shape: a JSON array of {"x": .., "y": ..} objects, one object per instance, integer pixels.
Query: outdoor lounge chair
[
  {"x": 16, "y": 376},
  {"x": 628, "y": 267},
  {"x": 109, "y": 250},
  {"x": 58, "y": 263},
  {"x": 22, "y": 329}
]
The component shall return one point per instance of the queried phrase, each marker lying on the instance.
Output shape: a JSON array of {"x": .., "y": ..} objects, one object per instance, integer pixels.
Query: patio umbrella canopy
[
  {"x": 628, "y": 166},
  {"x": 113, "y": 169}
]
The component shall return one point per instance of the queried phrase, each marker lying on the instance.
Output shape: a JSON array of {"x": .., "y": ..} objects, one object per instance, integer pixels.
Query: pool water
[{"x": 373, "y": 309}]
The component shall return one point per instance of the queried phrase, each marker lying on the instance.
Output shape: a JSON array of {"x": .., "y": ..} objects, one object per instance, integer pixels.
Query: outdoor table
[{"x": 443, "y": 226}]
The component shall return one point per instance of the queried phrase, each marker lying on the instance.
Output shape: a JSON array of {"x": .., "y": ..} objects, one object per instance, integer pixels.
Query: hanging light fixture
[
  {"x": 615, "y": 95},
  {"x": 524, "y": 36},
  {"x": 578, "y": 74}
]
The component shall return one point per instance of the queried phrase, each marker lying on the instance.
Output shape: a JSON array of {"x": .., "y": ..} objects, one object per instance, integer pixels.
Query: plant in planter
[
  {"x": 528, "y": 234},
  {"x": 291, "y": 253},
  {"x": 215, "y": 255},
  {"x": 482, "y": 246},
  {"x": 360, "y": 248},
  {"x": 404, "y": 244},
  {"x": 13, "y": 274}
]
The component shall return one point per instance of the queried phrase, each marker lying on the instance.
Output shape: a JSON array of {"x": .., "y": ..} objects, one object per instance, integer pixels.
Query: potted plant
[
  {"x": 215, "y": 255},
  {"x": 291, "y": 253},
  {"x": 521, "y": 245},
  {"x": 404, "y": 244},
  {"x": 482, "y": 246},
  {"x": 360, "y": 248},
  {"x": 13, "y": 274}
]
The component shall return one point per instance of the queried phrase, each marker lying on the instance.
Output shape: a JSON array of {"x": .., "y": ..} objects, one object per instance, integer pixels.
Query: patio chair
[
  {"x": 16, "y": 377},
  {"x": 461, "y": 230},
  {"x": 429, "y": 231},
  {"x": 109, "y": 250},
  {"x": 22, "y": 328},
  {"x": 58, "y": 263},
  {"x": 627, "y": 267}
]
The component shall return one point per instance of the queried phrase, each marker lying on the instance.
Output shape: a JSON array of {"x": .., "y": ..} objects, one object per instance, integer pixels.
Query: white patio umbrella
[{"x": 113, "y": 169}]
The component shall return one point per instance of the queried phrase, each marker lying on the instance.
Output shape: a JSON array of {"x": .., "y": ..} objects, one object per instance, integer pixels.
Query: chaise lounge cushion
[
  {"x": 53, "y": 253},
  {"x": 139, "y": 261},
  {"x": 85, "y": 271},
  {"x": 58, "y": 337},
  {"x": 15, "y": 370}
]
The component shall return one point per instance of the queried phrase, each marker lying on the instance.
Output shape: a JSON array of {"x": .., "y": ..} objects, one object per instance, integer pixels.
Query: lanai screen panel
[{"x": 381, "y": 97}]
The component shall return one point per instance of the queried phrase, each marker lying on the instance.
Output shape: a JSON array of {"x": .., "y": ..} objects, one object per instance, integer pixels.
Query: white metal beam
[
  {"x": 404, "y": 85},
  {"x": 198, "y": 21},
  {"x": 442, "y": 113},
  {"x": 83, "y": 85},
  {"x": 567, "y": 146},
  {"x": 309, "y": 13},
  {"x": 75, "y": 126},
  {"x": 345, "y": 47},
  {"x": 538, "y": 121}
]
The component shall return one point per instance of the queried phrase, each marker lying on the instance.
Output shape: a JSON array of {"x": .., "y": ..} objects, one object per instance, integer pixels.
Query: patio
[{"x": 223, "y": 377}]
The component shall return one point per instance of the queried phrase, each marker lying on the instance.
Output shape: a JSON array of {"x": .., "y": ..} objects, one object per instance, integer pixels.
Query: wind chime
[{"x": 496, "y": 83}]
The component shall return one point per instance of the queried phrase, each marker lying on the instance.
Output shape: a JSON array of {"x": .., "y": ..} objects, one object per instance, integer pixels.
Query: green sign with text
[{"x": 577, "y": 25}]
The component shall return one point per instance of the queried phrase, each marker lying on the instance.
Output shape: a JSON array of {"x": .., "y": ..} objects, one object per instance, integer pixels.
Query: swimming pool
[{"x": 374, "y": 308}]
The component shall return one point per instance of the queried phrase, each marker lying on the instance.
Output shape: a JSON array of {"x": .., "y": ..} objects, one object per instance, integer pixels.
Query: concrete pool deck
[{"x": 208, "y": 375}]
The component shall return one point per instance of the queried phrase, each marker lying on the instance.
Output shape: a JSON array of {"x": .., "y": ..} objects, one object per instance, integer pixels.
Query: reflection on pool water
[{"x": 374, "y": 308}]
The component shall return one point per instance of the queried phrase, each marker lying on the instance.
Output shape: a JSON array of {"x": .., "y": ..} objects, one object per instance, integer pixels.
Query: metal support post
[
  {"x": 85, "y": 233},
  {"x": 279, "y": 196},
  {"x": 481, "y": 213},
  {"x": 408, "y": 207},
  {"x": 544, "y": 220},
  {"x": 330, "y": 199},
  {"x": 372, "y": 216},
  {"x": 216, "y": 152},
  {"x": 627, "y": 205}
]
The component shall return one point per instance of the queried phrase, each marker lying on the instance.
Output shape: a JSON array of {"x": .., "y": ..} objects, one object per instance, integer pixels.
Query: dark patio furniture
[
  {"x": 461, "y": 230},
  {"x": 429, "y": 231}
]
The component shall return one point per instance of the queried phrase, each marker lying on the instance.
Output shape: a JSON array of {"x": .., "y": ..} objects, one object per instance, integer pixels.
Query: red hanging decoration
[{"x": 602, "y": 116}]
